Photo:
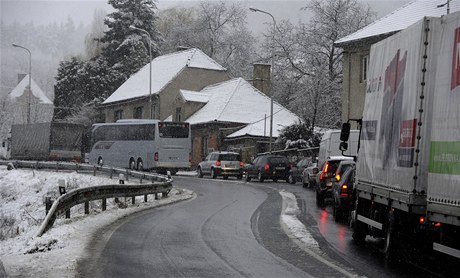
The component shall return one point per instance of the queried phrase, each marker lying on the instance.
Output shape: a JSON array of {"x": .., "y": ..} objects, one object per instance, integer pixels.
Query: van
[{"x": 330, "y": 142}]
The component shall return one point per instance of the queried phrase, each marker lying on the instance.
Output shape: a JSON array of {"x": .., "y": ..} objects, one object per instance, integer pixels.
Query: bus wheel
[
  {"x": 100, "y": 162},
  {"x": 132, "y": 164},
  {"x": 140, "y": 165}
]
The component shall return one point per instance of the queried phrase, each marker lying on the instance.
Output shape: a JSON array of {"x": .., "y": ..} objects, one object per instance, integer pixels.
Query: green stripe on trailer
[{"x": 444, "y": 158}]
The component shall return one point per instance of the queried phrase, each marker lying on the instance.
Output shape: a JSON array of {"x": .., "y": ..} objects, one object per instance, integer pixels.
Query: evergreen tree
[{"x": 68, "y": 88}]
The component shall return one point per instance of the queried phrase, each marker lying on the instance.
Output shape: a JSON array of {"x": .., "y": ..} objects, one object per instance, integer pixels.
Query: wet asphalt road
[{"x": 231, "y": 229}]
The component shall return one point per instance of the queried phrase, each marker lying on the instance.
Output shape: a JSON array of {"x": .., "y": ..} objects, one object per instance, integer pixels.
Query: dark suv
[
  {"x": 223, "y": 164},
  {"x": 272, "y": 167},
  {"x": 326, "y": 178}
]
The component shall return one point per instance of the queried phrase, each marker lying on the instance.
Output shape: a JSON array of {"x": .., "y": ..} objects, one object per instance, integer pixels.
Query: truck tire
[
  {"x": 100, "y": 162},
  {"x": 248, "y": 178},
  {"x": 389, "y": 247},
  {"x": 291, "y": 179}
]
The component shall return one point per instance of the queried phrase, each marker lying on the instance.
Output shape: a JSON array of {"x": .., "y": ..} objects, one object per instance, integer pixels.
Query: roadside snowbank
[{"x": 55, "y": 253}]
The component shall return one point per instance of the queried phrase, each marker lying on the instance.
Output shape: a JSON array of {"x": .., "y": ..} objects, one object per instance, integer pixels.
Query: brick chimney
[{"x": 261, "y": 78}]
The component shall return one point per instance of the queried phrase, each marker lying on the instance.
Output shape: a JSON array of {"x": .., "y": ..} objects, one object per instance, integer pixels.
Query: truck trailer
[
  {"x": 407, "y": 184},
  {"x": 47, "y": 141}
]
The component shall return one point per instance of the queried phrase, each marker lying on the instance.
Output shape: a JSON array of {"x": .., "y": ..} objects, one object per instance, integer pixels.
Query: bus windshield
[{"x": 173, "y": 130}]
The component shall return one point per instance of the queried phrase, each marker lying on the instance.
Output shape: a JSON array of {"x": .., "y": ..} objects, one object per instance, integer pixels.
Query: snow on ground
[{"x": 54, "y": 254}]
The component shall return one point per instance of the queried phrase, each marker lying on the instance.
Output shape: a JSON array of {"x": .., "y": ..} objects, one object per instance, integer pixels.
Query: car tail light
[
  {"x": 422, "y": 220},
  {"x": 324, "y": 173},
  {"x": 155, "y": 156},
  {"x": 266, "y": 167},
  {"x": 218, "y": 163},
  {"x": 344, "y": 190},
  {"x": 241, "y": 164}
]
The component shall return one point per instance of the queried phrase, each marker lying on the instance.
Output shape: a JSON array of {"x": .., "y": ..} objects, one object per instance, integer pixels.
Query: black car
[
  {"x": 342, "y": 193},
  {"x": 274, "y": 167},
  {"x": 326, "y": 178},
  {"x": 295, "y": 173}
]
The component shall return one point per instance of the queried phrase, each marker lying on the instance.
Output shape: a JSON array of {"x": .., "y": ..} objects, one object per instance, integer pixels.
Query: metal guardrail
[{"x": 157, "y": 184}]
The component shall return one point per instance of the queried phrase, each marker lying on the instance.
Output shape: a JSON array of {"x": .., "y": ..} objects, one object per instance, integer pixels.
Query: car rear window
[
  {"x": 333, "y": 165},
  {"x": 230, "y": 157},
  {"x": 276, "y": 160}
]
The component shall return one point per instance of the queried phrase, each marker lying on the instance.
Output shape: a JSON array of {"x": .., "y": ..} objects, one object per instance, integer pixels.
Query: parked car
[
  {"x": 342, "y": 193},
  {"x": 309, "y": 175},
  {"x": 223, "y": 164},
  {"x": 295, "y": 173},
  {"x": 326, "y": 178},
  {"x": 274, "y": 167}
]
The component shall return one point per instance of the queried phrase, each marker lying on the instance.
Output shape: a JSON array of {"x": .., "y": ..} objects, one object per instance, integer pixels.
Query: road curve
[{"x": 208, "y": 236}]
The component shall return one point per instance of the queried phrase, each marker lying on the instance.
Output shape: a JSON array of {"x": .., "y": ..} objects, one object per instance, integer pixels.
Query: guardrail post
[
  {"x": 104, "y": 204},
  {"x": 87, "y": 207},
  {"x": 48, "y": 204},
  {"x": 157, "y": 196},
  {"x": 111, "y": 172},
  {"x": 95, "y": 169},
  {"x": 127, "y": 175},
  {"x": 145, "y": 198},
  {"x": 133, "y": 200}
]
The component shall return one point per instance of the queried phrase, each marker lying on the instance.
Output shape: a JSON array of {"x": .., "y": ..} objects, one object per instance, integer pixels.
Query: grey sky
[{"x": 44, "y": 12}]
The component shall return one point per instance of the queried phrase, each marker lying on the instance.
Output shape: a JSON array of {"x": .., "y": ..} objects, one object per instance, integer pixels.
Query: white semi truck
[{"x": 407, "y": 187}]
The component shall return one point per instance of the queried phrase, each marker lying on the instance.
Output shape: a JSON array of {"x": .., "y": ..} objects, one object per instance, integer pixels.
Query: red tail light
[
  {"x": 241, "y": 164},
  {"x": 344, "y": 190},
  {"x": 422, "y": 220},
  {"x": 266, "y": 167},
  {"x": 218, "y": 163},
  {"x": 155, "y": 156}
]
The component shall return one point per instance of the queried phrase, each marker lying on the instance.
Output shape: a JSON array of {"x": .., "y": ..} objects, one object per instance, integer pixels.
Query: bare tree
[
  {"x": 308, "y": 68},
  {"x": 217, "y": 28}
]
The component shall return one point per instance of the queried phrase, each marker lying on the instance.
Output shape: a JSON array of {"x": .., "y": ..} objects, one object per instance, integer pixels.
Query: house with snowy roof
[
  {"x": 26, "y": 105},
  {"x": 356, "y": 48},
  {"x": 149, "y": 94},
  {"x": 231, "y": 115}
]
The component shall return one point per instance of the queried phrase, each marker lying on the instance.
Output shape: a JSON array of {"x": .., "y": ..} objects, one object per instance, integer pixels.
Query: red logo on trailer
[{"x": 456, "y": 61}]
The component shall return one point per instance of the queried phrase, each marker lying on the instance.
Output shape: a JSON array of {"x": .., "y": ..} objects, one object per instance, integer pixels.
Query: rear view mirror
[
  {"x": 343, "y": 146},
  {"x": 345, "y": 132}
]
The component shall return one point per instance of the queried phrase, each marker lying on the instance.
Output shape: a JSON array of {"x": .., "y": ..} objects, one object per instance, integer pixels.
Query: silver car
[{"x": 223, "y": 164}]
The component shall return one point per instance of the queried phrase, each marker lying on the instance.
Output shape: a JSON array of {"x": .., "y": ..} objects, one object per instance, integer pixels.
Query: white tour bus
[{"x": 142, "y": 145}]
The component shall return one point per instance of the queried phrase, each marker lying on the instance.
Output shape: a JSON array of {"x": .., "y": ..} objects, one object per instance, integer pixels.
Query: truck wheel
[
  {"x": 389, "y": 247},
  {"x": 291, "y": 179},
  {"x": 213, "y": 173},
  {"x": 100, "y": 162},
  {"x": 260, "y": 177},
  {"x": 200, "y": 173},
  {"x": 359, "y": 232},
  {"x": 239, "y": 177},
  {"x": 225, "y": 177}
]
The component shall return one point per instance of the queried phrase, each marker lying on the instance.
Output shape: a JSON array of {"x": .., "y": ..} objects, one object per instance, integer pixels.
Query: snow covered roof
[
  {"x": 164, "y": 69},
  {"x": 36, "y": 91},
  {"x": 401, "y": 19},
  {"x": 237, "y": 101},
  {"x": 194, "y": 96}
]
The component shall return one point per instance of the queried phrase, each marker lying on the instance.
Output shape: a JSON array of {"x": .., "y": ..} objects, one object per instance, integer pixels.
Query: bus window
[{"x": 173, "y": 130}]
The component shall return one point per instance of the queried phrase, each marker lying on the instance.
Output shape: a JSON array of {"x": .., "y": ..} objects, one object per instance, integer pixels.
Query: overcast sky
[{"x": 43, "y": 12}]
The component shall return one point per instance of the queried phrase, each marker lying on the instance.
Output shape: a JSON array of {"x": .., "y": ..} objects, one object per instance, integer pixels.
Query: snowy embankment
[{"x": 54, "y": 254}]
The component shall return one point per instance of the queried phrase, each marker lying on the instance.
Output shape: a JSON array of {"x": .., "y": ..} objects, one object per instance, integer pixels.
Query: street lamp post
[
  {"x": 271, "y": 75},
  {"x": 30, "y": 78},
  {"x": 150, "y": 75}
]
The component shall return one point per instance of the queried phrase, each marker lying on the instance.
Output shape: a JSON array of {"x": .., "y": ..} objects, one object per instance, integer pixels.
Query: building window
[
  {"x": 364, "y": 68},
  {"x": 204, "y": 146},
  {"x": 178, "y": 114},
  {"x": 118, "y": 115},
  {"x": 138, "y": 112}
]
